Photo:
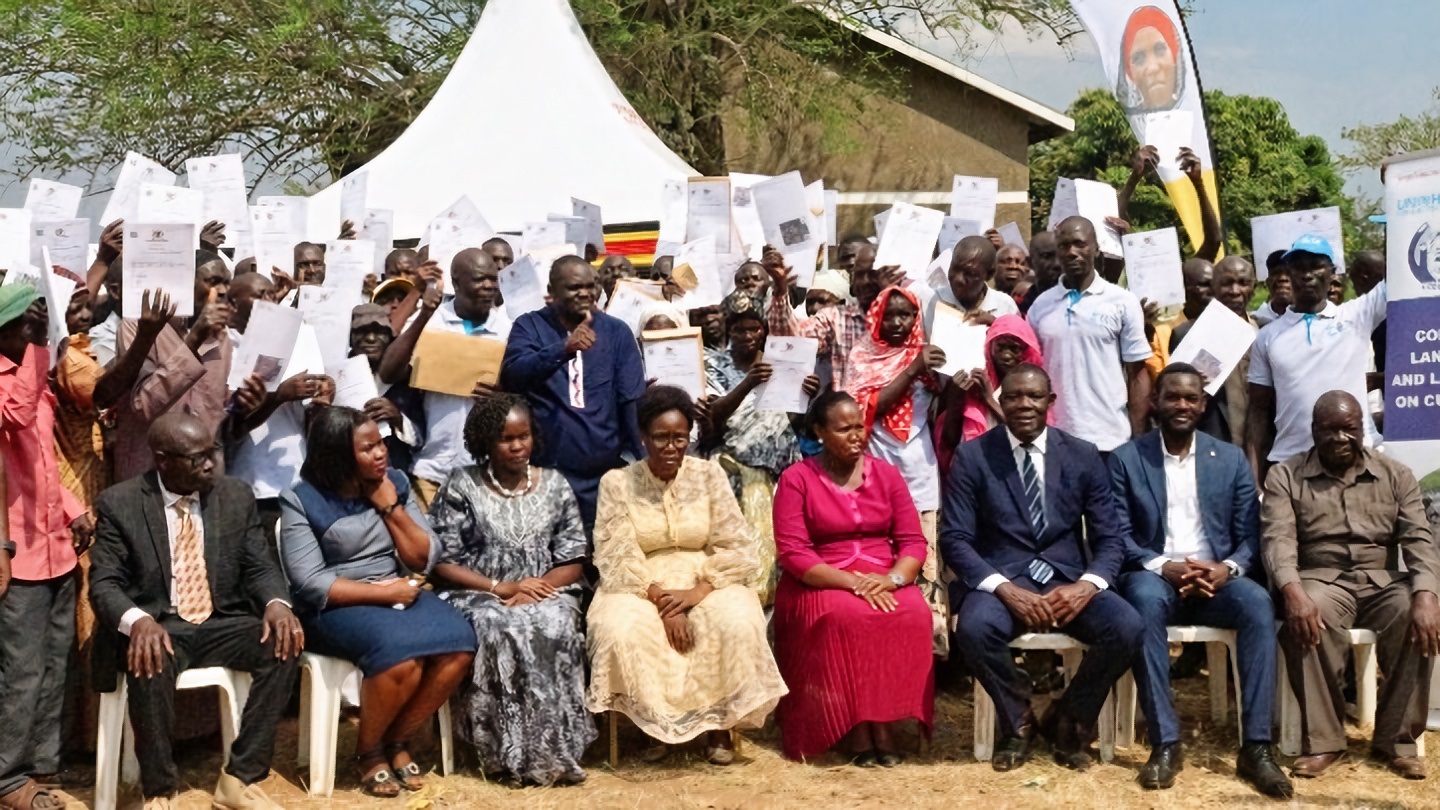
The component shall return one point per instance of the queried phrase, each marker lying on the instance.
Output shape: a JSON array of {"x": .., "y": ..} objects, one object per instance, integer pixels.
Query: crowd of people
[{"x": 577, "y": 537}]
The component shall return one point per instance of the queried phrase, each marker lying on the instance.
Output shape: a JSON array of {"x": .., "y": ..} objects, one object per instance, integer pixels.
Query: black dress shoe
[
  {"x": 1066, "y": 741},
  {"x": 864, "y": 759},
  {"x": 1011, "y": 753},
  {"x": 1159, "y": 772},
  {"x": 890, "y": 759},
  {"x": 1256, "y": 765}
]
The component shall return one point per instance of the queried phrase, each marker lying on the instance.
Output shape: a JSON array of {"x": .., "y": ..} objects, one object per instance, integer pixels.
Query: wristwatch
[
  {"x": 898, "y": 580},
  {"x": 1234, "y": 568}
]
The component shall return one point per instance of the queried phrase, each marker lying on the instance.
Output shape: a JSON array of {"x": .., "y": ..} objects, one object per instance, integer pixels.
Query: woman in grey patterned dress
[{"x": 513, "y": 547}]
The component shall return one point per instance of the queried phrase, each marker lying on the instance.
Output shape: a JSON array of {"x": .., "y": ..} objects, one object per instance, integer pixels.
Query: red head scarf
[
  {"x": 874, "y": 364},
  {"x": 1149, "y": 17}
]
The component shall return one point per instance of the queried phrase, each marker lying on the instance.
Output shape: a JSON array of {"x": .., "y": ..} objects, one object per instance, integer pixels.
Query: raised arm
[
  {"x": 1209, "y": 248},
  {"x": 531, "y": 358},
  {"x": 395, "y": 364}
]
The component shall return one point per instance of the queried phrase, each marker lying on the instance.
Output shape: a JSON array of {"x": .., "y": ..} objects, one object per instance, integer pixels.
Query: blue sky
[{"x": 1333, "y": 64}]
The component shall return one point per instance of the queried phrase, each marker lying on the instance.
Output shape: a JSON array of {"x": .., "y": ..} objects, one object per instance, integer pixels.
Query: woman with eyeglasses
[
  {"x": 354, "y": 543},
  {"x": 676, "y": 635}
]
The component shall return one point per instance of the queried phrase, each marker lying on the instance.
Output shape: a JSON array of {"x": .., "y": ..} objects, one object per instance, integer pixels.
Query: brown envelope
[{"x": 451, "y": 363}]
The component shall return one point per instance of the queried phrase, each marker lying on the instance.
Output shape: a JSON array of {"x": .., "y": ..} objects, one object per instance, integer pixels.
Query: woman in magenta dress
[{"x": 852, "y": 632}]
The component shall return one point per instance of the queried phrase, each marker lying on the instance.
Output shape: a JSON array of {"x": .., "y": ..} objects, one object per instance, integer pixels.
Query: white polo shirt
[
  {"x": 1303, "y": 357},
  {"x": 444, "y": 447},
  {"x": 1086, "y": 344}
]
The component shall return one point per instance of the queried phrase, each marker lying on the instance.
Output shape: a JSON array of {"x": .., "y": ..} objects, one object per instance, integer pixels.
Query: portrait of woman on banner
[{"x": 1153, "y": 65}]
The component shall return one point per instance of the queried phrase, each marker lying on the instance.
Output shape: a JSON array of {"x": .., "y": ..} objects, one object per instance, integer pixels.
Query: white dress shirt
[
  {"x": 1037, "y": 458},
  {"x": 1184, "y": 529}
]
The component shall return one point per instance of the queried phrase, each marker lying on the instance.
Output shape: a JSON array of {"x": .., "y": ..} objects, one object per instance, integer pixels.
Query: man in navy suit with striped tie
[{"x": 1012, "y": 529}]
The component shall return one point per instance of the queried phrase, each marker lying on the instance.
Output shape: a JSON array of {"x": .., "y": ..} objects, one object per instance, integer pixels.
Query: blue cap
[{"x": 1310, "y": 243}]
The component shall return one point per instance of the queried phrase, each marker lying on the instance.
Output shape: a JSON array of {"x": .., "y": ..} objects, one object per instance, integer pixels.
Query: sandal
[
  {"x": 30, "y": 796},
  {"x": 408, "y": 775},
  {"x": 376, "y": 779}
]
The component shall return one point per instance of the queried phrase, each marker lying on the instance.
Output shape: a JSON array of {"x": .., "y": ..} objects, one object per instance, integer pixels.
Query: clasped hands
[
  {"x": 528, "y": 591},
  {"x": 876, "y": 589},
  {"x": 1195, "y": 577},
  {"x": 673, "y": 605},
  {"x": 1052, "y": 610}
]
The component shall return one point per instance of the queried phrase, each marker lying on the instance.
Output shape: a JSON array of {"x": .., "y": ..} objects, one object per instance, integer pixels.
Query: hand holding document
[
  {"x": 266, "y": 346},
  {"x": 136, "y": 169},
  {"x": 630, "y": 300},
  {"x": 68, "y": 243},
  {"x": 452, "y": 363},
  {"x": 1169, "y": 132},
  {"x": 1215, "y": 344},
  {"x": 784, "y": 212},
  {"x": 909, "y": 240},
  {"x": 520, "y": 284},
  {"x": 1279, "y": 231},
  {"x": 159, "y": 257},
  {"x": 675, "y": 357},
  {"x": 962, "y": 340},
  {"x": 355, "y": 383},
  {"x": 1096, "y": 201},
  {"x": 707, "y": 211},
  {"x": 49, "y": 201},
  {"x": 974, "y": 199},
  {"x": 354, "y": 193},
  {"x": 1153, "y": 267},
  {"x": 791, "y": 360},
  {"x": 1010, "y": 233},
  {"x": 221, "y": 178}
]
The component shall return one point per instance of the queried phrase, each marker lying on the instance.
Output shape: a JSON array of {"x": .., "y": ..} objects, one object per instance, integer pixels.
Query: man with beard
[
  {"x": 581, "y": 372},
  {"x": 472, "y": 311},
  {"x": 1045, "y": 259},
  {"x": 1339, "y": 521}
]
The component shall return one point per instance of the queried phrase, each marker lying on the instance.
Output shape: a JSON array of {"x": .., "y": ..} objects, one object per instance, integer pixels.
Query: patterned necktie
[
  {"x": 1039, "y": 570},
  {"x": 192, "y": 581}
]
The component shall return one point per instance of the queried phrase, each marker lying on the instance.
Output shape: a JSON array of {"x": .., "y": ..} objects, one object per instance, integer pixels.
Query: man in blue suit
[
  {"x": 1191, "y": 505},
  {"x": 1013, "y": 508}
]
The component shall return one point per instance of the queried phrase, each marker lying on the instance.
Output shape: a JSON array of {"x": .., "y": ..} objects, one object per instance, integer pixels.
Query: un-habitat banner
[
  {"x": 1412, "y": 323},
  {"x": 1151, "y": 67}
]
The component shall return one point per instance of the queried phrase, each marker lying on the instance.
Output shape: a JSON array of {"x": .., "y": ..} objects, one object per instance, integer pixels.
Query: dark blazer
[
  {"x": 986, "y": 529},
  {"x": 1230, "y": 507},
  {"x": 130, "y": 563}
]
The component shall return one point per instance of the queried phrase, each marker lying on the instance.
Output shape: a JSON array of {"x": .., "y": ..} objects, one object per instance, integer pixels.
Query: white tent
[{"x": 526, "y": 119}]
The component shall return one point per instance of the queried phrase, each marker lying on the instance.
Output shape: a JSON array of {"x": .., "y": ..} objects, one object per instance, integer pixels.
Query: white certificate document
[
  {"x": 1010, "y": 233},
  {"x": 594, "y": 225},
  {"x": 159, "y": 256},
  {"x": 136, "y": 170},
  {"x": 673, "y": 211},
  {"x": 574, "y": 230},
  {"x": 911, "y": 232},
  {"x": 159, "y": 203},
  {"x": 348, "y": 262},
  {"x": 1215, "y": 344},
  {"x": 707, "y": 211},
  {"x": 953, "y": 229},
  {"x": 14, "y": 238},
  {"x": 832, "y": 217},
  {"x": 784, "y": 212},
  {"x": 1152, "y": 266},
  {"x": 378, "y": 228},
  {"x": 274, "y": 237},
  {"x": 266, "y": 346},
  {"x": 354, "y": 191},
  {"x": 466, "y": 212},
  {"x": 675, "y": 357},
  {"x": 49, "y": 201},
  {"x": 974, "y": 198},
  {"x": 631, "y": 299},
  {"x": 355, "y": 383},
  {"x": 520, "y": 284},
  {"x": 791, "y": 360},
  {"x": 696, "y": 262},
  {"x": 67, "y": 242},
  {"x": 326, "y": 310},
  {"x": 1169, "y": 132},
  {"x": 297, "y": 208},
  {"x": 744, "y": 218},
  {"x": 1062, "y": 205},
  {"x": 1279, "y": 231},
  {"x": 57, "y": 291},
  {"x": 221, "y": 178},
  {"x": 1096, "y": 201},
  {"x": 880, "y": 219},
  {"x": 963, "y": 342},
  {"x": 450, "y": 236}
]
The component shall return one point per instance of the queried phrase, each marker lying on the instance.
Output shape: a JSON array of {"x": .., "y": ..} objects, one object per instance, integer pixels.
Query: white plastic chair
[
  {"x": 1433, "y": 723},
  {"x": 115, "y": 741},
  {"x": 1071, "y": 652},
  {"x": 1362, "y": 642},
  {"x": 1216, "y": 641},
  {"x": 319, "y": 728}
]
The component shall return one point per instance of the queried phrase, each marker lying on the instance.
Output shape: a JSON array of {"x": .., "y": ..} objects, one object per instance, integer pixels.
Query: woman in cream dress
[{"x": 676, "y": 635}]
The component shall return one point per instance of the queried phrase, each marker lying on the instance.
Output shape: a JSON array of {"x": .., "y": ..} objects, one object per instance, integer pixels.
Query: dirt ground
[{"x": 945, "y": 775}]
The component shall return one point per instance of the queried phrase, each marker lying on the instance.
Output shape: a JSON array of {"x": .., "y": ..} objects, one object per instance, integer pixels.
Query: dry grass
[{"x": 945, "y": 775}]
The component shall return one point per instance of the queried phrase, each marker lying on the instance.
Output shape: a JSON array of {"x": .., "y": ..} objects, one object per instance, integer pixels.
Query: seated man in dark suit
[
  {"x": 1013, "y": 508},
  {"x": 181, "y": 567},
  {"x": 1193, "y": 512}
]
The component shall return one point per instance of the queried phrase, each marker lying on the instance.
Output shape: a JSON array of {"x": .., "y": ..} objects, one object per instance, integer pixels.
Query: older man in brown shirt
[{"x": 1339, "y": 520}]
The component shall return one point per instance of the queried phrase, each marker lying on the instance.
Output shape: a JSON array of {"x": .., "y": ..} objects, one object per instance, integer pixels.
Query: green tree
[
  {"x": 1263, "y": 165},
  {"x": 310, "y": 89},
  {"x": 1376, "y": 142}
]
